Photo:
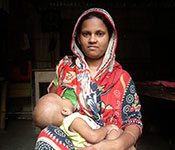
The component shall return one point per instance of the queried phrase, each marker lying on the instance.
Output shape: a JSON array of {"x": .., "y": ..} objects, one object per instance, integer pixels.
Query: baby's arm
[{"x": 90, "y": 135}]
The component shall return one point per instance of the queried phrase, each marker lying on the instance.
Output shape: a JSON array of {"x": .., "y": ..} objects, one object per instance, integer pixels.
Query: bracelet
[{"x": 130, "y": 133}]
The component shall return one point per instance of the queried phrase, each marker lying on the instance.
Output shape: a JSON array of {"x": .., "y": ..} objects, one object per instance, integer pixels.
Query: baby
[{"x": 56, "y": 111}]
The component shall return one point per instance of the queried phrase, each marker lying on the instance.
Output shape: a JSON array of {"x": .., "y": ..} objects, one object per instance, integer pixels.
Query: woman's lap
[{"x": 53, "y": 138}]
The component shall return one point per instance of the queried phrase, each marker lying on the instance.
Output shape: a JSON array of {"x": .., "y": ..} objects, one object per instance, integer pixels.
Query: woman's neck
[{"x": 93, "y": 65}]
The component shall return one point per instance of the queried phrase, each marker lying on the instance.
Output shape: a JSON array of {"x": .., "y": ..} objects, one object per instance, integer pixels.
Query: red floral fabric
[{"x": 112, "y": 89}]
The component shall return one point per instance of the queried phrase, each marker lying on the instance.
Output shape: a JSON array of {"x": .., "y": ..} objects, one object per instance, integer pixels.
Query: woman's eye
[
  {"x": 85, "y": 34},
  {"x": 100, "y": 34}
]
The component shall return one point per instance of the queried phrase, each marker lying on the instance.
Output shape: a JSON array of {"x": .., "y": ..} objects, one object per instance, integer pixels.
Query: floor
[{"x": 19, "y": 135}]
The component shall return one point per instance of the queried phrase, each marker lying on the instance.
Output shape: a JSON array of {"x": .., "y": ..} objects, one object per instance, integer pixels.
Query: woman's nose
[{"x": 92, "y": 39}]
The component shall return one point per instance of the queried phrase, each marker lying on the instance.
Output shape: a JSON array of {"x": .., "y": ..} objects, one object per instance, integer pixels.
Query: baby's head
[{"x": 51, "y": 110}]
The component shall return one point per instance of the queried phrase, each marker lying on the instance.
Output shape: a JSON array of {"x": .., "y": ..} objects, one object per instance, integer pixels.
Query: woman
[{"x": 104, "y": 90}]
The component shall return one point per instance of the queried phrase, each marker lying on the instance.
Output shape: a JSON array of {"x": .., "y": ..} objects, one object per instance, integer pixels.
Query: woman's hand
[
  {"x": 125, "y": 141},
  {"x": 105, "y": 145},
  {"x": 111, "y": 127}
]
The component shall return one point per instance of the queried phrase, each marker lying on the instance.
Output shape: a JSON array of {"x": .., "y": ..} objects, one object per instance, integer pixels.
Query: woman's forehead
[{"x": 93, "y": 23}]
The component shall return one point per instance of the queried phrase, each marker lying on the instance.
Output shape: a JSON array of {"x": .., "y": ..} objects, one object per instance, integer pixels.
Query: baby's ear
[{"x": 66, "y": 112}]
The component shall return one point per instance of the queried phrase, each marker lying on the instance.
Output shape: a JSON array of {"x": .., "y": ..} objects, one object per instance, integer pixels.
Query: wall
[{"x": 145, "y": 34}]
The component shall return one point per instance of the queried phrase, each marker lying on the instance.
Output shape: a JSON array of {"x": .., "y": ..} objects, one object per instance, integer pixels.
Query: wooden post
[{"x": 3, "y": 106}]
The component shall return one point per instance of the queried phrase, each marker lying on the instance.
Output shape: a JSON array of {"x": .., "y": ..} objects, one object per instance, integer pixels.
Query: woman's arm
[
  {"x": 129, "y": 137},
  {"x": 124, "y": 142}
]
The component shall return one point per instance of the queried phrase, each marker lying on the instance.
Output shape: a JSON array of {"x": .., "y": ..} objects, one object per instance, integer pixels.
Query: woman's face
[{"x": 93, "y": 38}]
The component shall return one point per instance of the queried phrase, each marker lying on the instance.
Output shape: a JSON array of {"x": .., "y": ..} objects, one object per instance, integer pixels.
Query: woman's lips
[{"x": 92, "y": 47}]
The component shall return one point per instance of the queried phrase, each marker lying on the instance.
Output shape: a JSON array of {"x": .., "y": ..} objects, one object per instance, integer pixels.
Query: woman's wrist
[
  {"x": 125, "y": 141},
  {"x": 132, "y": 135}
]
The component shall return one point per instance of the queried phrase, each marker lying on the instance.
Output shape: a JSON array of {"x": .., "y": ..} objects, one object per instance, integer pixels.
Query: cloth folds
[{"x": 110, "y": 96}]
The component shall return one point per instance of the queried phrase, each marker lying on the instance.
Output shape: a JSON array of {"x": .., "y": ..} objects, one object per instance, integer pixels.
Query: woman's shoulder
[
  {"x": 120, "y": 70},
  {"x": 124, "y": 70}
]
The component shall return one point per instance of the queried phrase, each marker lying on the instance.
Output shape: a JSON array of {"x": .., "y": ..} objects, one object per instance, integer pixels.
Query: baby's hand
[{"x": 111, "y": 127}]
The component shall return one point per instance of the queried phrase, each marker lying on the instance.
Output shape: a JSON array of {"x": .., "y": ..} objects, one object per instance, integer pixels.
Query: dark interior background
[
  {"x": 40, "y": 32},
  {"x": 36, "y": 34}
]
